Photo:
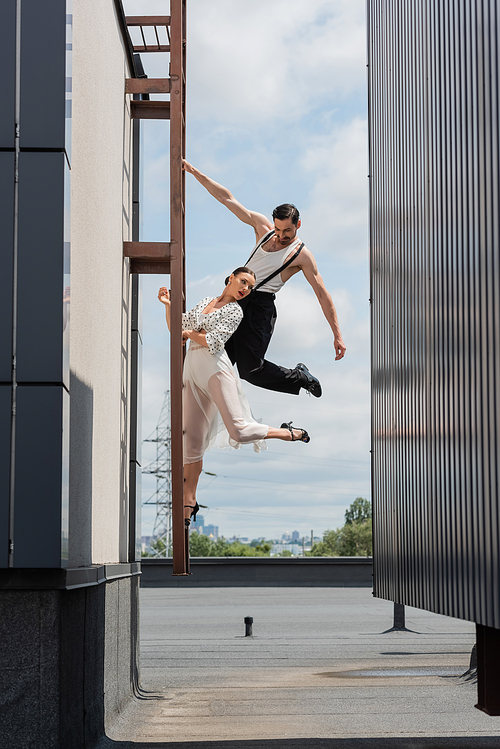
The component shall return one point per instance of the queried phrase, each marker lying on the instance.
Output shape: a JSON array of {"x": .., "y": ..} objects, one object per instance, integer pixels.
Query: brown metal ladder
[{"x": 168, "y": 257}]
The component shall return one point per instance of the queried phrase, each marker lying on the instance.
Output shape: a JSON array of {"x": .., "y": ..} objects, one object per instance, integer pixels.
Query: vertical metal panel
[
  {"x": 434, "y": 225},
  {"x": 6, "y": 243},
  {"x": 43, "y": 73},
  {"x": 41, "y": 278},
  {"x": 5, "y": 408},
  {"x": 41, "y": 501},
  {"x": 35, "y": 239},
  {"x": 8, "y": 68}
]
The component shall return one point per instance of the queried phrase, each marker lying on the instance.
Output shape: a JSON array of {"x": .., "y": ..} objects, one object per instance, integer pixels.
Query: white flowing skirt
[{"x": 214, "y": 404}]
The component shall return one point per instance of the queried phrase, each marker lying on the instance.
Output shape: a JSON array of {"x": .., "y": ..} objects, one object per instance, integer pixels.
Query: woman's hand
[
  {"x": 197, "y": 336},
  {"x": 187, "y": 166},
  {"x": 163, "y": 295}
]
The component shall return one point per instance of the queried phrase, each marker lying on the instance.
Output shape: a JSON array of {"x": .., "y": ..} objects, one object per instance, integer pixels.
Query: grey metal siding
[
  {"x": 6, "y": 240},
  {"x": 8, "y": 68},
  {"x": 434, "y": 226},
  {"x": 43, "y": 74},
  {"x": 34, "y": 322},
  {"x": 41, "y": 512},
  {"x": 40, "y": 346}
]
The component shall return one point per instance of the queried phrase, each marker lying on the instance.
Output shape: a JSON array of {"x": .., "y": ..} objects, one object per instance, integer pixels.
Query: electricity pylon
[{"x": 162, "y": 469}]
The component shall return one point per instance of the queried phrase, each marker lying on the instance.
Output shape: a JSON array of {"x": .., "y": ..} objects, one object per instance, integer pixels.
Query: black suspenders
[
  {"x": 259, "y": 244},
  {"x": 279, "y": 270}
]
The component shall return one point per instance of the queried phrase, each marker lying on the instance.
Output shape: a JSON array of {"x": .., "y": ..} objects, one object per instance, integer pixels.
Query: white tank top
[{"x": 264, "y": 263}]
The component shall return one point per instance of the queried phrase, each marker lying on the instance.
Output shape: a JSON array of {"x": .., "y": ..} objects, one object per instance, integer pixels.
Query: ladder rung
[
  {"x": 150, "y": 267},
  {"x": 147, "y": 250},
  {"x": 148, "y": 85},
  {"x": 150, "y": 110},
  {"x": 152, "y": 48},
  {"x": 147, "y": 20}
]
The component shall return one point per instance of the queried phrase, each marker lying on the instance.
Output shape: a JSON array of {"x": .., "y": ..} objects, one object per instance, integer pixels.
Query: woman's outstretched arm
[
  {"x": 199, "y": 337},
  {"x": 164, "y": 298}
]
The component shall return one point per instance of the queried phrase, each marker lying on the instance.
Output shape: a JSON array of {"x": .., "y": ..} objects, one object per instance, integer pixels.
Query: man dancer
[{"x": 277, "y": 256}]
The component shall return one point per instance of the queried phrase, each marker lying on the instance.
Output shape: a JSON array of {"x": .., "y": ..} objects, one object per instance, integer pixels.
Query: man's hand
[
  {"x": 340, "y": 348},
  {"x": 187, "y": 166}
]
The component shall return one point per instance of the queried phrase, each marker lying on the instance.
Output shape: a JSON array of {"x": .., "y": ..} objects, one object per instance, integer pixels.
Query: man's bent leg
[
  {"x": 248, "y": 345},
  {"x": 274, "y": 377}
]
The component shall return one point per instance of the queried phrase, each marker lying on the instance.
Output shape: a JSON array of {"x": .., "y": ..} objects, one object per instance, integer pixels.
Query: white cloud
[
  {"x": 301, "y": 325},
  {"x": 276, "y": 112},
  {"x": 258, "y": 61},
  {"x": 255, "y": 62},
  {"x": 336, "y": 217}
]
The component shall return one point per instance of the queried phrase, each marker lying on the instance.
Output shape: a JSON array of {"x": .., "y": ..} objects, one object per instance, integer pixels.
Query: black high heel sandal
[
  {"x": 303, "y": 438},
  {"x": 194, "y": 511}
]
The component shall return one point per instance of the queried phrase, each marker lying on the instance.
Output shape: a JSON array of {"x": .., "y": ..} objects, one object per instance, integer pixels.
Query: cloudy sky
[{"x": 276, "y": 112}]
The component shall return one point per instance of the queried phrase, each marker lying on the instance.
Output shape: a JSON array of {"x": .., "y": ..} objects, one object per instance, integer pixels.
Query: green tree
[
  {"x": 220, "y": 547},
  {"x": 263, "y": 549},
  {"x": 157, "y": 547},
  {"x": 328, "y": 547},
  {"x": 237, "y": 549},
  {"x": 200, "y": 545},
  {"x": 360, "y": 509},
  {"x": 256, "y": 541},
  {"x": 203, "y": 546},
  {"x": 354, "y": 539}
]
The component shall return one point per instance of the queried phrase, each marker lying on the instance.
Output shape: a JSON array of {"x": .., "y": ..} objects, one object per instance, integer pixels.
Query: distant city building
[
  {"x": 294, "y": 548},
  {"x": 295, "y": 536},
  {"x": 212, "y": 531},
  {"x": 199, "y": 526},
  {"x": 198, "y": 523}
]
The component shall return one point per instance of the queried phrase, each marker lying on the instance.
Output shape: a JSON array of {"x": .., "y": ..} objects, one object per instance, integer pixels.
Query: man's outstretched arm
[
  {"x": 258, "y": 221},
  {"x": 310, "y": 271}
]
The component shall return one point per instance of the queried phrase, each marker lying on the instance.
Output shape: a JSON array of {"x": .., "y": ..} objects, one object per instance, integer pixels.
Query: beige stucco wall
[{"x": 101, "y": 216}]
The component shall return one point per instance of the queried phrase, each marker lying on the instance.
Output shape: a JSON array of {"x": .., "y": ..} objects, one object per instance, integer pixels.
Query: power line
[
  {"x": 231, "y": 510},
  {"x": 288, "y": 458},
  {"x": 236, "y": 481}
]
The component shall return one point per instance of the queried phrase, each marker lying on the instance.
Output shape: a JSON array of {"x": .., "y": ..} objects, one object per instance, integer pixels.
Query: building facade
[
  {"x": 68, "y": 369},
  {"x": 434, "y": 234}
]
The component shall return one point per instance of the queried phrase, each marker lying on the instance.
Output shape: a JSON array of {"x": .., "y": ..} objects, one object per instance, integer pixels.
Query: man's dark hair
[{"x": 287, "y": 210}]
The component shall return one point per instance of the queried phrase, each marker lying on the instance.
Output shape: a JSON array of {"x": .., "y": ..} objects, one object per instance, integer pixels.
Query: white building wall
[{"x": 101, "y": 218}]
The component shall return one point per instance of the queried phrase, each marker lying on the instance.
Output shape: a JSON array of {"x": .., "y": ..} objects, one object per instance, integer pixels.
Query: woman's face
[{"x": 241, "y": 285}]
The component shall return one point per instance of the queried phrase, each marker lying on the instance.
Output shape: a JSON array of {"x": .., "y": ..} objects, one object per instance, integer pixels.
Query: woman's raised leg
[
  {"x": 192, "y": 473},
  {"x": 224, "y": 391}
]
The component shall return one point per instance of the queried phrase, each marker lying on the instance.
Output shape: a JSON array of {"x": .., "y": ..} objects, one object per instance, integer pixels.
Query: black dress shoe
[{"x": 312, "y": 384}]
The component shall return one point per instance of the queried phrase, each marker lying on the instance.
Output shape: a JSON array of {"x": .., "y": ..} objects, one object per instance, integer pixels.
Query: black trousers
[{"x": 248, "y": 345}]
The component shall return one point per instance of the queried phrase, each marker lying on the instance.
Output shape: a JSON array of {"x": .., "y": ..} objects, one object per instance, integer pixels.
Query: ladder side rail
[{"x": 177, "y": 180}]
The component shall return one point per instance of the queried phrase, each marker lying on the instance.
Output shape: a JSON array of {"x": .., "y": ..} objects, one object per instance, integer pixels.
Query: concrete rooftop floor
[{"x": 296, "y": 683}]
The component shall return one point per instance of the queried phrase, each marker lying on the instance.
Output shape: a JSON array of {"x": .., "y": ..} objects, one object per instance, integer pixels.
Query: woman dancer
[{"x": 211, "y": 385}]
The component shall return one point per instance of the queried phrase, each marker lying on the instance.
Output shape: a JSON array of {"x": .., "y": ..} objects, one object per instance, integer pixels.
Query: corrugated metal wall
[{"x": 434, "y": 201}]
